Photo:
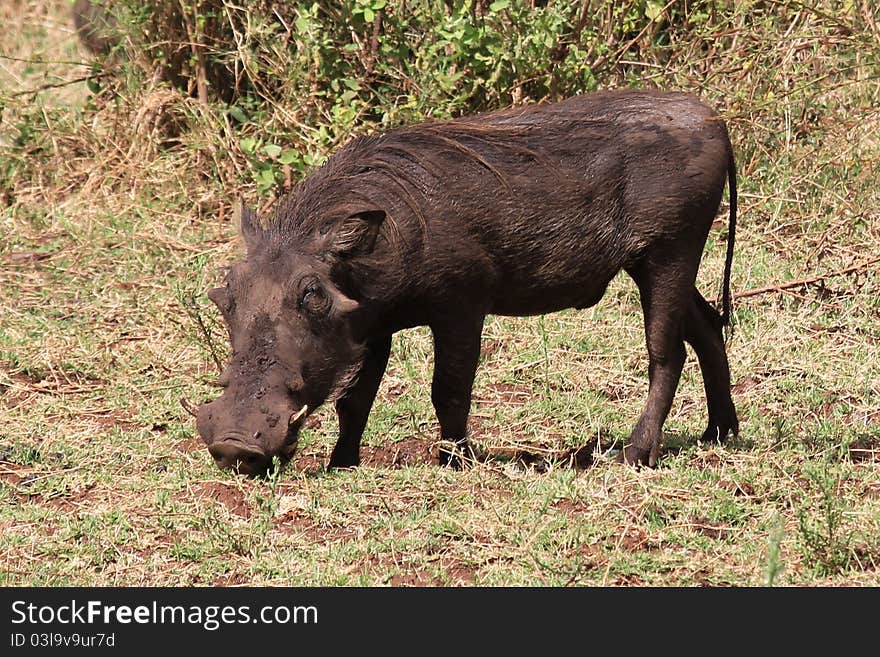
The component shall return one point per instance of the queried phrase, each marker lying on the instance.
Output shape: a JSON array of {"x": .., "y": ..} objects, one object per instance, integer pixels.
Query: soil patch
[
  {"x": 9, "y": 475},
  {"x": 460, "y": 572},
  {"x": 616, "y": 392},
  {"x": 394, "y": 391},
  {"x": 122, "y": 419},
  {"x": 415, "y": 451},
  {"x": 189, "y": 445},
  {"x": 310, "y": 463},
  {"x": 865, "y": 449},
  {"x": 298, "y": 521},
  {"x": 406, "y": 452},
  {"x": 455, "y": 573},
  {"x": 576, "y": 510},
  {"x": 491, "y": 445},
  {"x": 230, "y": 579},
  {"x": 544, "y": 459},
  {"x": 489, "y": 347},
  {"x": 872, "y": 491},
  {"x": 738, "y": 488},
  {"x": 843, "y": 407},
  {"x": 504, "y": 394},
  {"x": 73, "y": 500},
  {"x": 232, "y": 498},
  {"x": 17, "y": 394},
  {"x": 703, "y": 526},
  {"x": 11, "y": 472},
  {"x": 414, "y": 578},
  {"x": 26, "y": 257},
  {"x": 746, "y": 383},
  {"x": 634, "y": 539}
]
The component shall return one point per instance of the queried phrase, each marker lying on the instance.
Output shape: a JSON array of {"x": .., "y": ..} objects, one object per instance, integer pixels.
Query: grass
[{"x": 108, "y": 242}]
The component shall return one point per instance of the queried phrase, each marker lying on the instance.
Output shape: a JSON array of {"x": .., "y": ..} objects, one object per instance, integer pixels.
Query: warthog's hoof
[
  {"x": 718, "y": 431},
  {"x": 639, "y": 456}
]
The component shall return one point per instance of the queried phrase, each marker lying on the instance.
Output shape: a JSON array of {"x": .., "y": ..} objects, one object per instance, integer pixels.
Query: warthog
[{"x": 519, "y": 212}]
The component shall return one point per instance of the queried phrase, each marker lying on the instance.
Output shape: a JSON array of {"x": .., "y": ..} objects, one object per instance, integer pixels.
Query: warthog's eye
[{"x": 313, "y": 299}]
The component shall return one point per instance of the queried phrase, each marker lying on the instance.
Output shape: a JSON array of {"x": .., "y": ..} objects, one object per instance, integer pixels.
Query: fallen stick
[{"x": 781, "y": 287}]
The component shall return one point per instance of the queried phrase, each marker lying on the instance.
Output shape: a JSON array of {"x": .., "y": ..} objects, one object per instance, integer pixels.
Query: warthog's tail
[{"x": 731, "y": 234}]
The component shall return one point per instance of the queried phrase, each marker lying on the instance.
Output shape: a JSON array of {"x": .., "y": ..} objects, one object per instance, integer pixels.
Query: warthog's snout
[
  {"x": 243, "y": 459},
  {"x": 248, "y": 452}
]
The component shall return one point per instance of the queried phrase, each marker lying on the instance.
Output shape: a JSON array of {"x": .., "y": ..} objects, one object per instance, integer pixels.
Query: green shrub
[{"x": 292, "y": 81}]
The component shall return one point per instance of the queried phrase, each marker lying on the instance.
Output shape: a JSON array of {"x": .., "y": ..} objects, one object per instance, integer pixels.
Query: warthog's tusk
[
  {"x": 189, "y": 408},
  {"x": 299, "y": 414}
]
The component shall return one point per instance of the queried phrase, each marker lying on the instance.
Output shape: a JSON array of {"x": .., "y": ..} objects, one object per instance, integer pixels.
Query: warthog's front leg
[{"x": 456, "y": 353}]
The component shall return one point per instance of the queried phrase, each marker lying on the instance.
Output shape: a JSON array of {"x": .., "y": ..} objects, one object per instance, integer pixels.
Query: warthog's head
[{"x": 290, "y": 329}]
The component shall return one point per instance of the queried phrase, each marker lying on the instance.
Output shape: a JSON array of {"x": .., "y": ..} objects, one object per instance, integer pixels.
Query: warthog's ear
[
  {"x": 342, "y": 304},
  {"x": 251, "y": 230},
  {"x": 220, "y": 297},
  {"x": 356, "y": 234}
]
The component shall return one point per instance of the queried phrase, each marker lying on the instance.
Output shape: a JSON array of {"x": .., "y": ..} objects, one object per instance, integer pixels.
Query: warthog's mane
[
  {"x": 397, "y": 171},
  {"x": 406, "y": 171}
]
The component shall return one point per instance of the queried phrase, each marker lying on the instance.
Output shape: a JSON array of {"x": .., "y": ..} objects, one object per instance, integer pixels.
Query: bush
[{"x": 291, "y": 81}]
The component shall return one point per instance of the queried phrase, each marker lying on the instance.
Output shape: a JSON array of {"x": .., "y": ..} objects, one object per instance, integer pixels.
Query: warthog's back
[{"x": 542, "y": 205}]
